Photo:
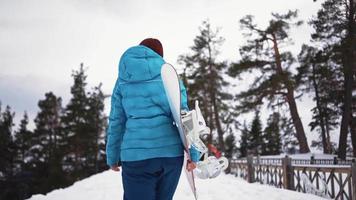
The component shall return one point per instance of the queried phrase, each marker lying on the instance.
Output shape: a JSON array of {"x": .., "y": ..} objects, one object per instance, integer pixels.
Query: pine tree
[
  {"x": 76, "y": 127},
  {"x": 349, "y": 72},
  {"x": 349, "y": 149},
  {"x": 23, "y": 143},
  {"x": 84, "y": 124},
  {"x": 230, "y": 146},
  {"x": 7, "y": 154},
  {"x": 204, "y": 79},
  {"x": 230, "y": 149},
  {"x": 24, "y": 180},
  {"x": 243, "y": 141},
  {"x": 47, "y": 150},
  {"x": 289, "y": 142},
  {"x": 254, "y": 139},
  {"x": 317, "y": 74},
  {"x": 272, "y": 136},
  {"x": 335, "y": 32},
  {"x": 274, "y": 81},
  {"x": 7, "y": 145},
  {"x": 97, "y": 121}
]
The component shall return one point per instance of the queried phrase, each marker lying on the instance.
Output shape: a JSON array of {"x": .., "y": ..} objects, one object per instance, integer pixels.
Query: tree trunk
[
  {"x": 218, "y": 126},
  {"x": 346, "y": 118},
  {"x": 328, "y": 140},
  {"x": 353, "y": 114},
  {"x": 347, "y": 68},
  {"x": 353, "y": 135},
  {"x": 209, "y": 118},
  {"x": 211, "y": 92},
  {"x": 326, "y": 147},
  {"x": 303, "y": 144},
  {"x": 298, "y": 125},
  {"x": 353, "y": 117}
]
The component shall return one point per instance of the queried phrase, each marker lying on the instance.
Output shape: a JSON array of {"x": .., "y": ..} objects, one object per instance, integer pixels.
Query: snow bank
[{"x": 107, "y": 186}]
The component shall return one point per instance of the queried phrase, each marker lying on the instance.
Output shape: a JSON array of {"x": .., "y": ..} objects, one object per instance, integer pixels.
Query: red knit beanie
[{"x": 153, "y": 44}]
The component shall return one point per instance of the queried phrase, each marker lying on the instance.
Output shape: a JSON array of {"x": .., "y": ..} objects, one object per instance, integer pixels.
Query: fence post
[
  {"x": 312, "y": 159},
  {"x": 288, "y": 173},
  {"x": 250, "y": 169},
  {"x": 353, "y": 176},
  {"x": 335, "y": 160}
]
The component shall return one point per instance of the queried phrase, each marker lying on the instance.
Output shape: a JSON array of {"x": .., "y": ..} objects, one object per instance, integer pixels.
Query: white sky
[{"x": 42, "y": 41}]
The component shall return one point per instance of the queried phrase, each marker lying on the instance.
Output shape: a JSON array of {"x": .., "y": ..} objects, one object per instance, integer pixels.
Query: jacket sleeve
[
  {"x": 116, "y": 128},
  {"x": 183, "y": 93}
]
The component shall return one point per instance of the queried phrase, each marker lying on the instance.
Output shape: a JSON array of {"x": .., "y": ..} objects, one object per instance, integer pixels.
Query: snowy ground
[
  {"x": 107, "y": 186},
  {"x": 304, "y": 156}
]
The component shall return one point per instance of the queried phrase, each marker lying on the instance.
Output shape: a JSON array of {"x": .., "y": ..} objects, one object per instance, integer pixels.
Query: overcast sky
[{"x": 42, "y": 41}]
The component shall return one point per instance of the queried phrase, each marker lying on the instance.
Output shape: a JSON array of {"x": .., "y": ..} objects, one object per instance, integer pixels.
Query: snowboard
[{"x": 172, "y": 88}]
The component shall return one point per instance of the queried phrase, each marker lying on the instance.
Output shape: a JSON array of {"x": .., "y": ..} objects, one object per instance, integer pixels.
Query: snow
[
  {"x": 107, "y": 186},
  {"x": 303, "y": 156},
  {"x": 322, "y": 166}
]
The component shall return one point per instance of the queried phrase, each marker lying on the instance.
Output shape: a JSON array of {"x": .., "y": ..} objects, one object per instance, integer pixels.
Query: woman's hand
[
  {"x": 191, "y": 166},
  {"x": 115, "y": 167}
]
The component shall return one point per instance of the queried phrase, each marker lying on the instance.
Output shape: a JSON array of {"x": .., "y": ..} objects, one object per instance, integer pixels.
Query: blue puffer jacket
[{"x": 140, "y": 121}]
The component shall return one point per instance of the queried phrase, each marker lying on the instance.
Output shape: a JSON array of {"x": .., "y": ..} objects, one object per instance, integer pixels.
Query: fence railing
[{"x": 319, "y": 176}]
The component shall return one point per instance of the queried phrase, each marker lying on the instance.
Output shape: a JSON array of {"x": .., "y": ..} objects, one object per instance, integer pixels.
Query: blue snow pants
[{"x": 151, "y": 179}]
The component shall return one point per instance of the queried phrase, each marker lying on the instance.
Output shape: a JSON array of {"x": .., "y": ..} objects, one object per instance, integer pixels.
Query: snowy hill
[{"x": 107, "y": 186}]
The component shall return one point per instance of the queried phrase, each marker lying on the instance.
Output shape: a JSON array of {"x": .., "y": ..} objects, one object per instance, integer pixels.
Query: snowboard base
[{"x": 172, "y": 88}]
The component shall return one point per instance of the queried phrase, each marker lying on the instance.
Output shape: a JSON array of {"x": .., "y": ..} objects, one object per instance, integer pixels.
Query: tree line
[
  {"x": 66, "y": 145},
  {"x": 324, "y": 69}
]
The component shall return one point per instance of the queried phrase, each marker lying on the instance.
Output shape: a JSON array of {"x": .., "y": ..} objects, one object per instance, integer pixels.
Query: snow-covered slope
[{"x": 107, "y": 186}]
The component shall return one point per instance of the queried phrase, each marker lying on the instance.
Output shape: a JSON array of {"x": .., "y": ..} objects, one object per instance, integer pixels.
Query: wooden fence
[{"x": 319, "y": 177}]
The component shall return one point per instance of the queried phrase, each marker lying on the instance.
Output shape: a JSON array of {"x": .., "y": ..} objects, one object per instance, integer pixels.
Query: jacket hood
[{"x": 140, "y": 63}]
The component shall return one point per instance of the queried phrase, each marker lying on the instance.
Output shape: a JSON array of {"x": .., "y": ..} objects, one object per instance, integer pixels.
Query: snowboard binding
[
  {"x": 194, "y": 126},
  {"x": 211, "y": 167}
]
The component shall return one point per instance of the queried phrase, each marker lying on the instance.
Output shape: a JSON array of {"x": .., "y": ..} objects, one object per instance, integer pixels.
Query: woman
[{"x": 141, "y": 136}]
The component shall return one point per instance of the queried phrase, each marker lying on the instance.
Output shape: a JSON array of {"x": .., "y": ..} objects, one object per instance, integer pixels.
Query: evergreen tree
[
  {"x": 272, "y": 136},
  {"x": 230, "y": 149},
  {"x": 66, "y": 145},
  {"x": 204, "y": 79},
  {"x": 349, "y": 149},
  {"x": 289, "y": 142},
  {"x": 76, "y": 127},
  {"x": 349, "y": 72},
  {"x": 254, "y": 139},
  {"x": 24, "y": 178},
  {"x": 84, "y": 125},
  {"x": 7, "y": 154},
  {"x": 97, "y": 120},
  {"x": 243, "y": 141},
  {"x": 7, "y": 145},
  {"x": 23, "y": 143},
  {"x": 230, "y": 146},
  {"x": 317, "y": 74},
  {"x": 274, "y": 81},
  {"x": 47, "y": 150},
  {"x": 335, "y": 33}
]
